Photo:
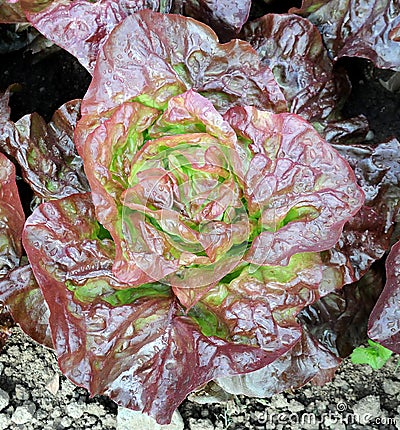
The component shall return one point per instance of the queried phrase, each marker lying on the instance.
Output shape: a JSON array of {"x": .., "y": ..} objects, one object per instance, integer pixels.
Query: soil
[{"x": 34, "y": 394}]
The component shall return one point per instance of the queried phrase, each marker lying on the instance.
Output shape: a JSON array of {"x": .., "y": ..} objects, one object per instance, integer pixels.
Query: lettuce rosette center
[{"x": 190, "y": 196}]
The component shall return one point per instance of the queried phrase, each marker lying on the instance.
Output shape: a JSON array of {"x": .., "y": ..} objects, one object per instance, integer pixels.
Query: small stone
[
  {"x": 295, "y": 406},
  {"x": 21, "y": 393},
  {"x": 391, "y": 387},
  {"x": 333, "y": 423},
  {"x": 367, "y": 408},
  {"x": 128, "y": 420},
  {"x": 90, "y": 419},
  {"x": 9, "y": 371},
  {"x": 23, "y": 414},
  {"x": 53, "y": 384},
  {"x": 4, "y": 399},
  {"x": 75, "y": 411},
  {"x": 96, "y": 410},
  {"x": 320, "y": 405},
  {"x": 279, "y": 402},
  {"x": 109, "y": 421},
  {"x": 204, "y": 424},
  {"x": 56, "y": 412},
  {"x": 4, "y": 421},
  {"x": 66, "y": 422}
]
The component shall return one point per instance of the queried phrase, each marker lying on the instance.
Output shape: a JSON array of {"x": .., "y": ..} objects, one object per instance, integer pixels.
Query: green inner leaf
[
  {"x": 302, "y": 213},
  {"x": 208, "y": 322}
]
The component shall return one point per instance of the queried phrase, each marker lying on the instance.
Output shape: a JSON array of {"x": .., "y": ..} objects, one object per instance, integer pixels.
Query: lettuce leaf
[
  {"x": 307, "y": 361},
  {"x": 82, "y": 26},
  {"x": 21, "y": 294},
  {"x": 358, "y": 28},
  {"x": 225, "y": 17},
  {"x": 186, "y": 200},
  {"x": 12, "y": 218},
  {"x": 292, "y": 47},
  {"x": 46, "y": 152},
  {"x": 383, "y": 326}
]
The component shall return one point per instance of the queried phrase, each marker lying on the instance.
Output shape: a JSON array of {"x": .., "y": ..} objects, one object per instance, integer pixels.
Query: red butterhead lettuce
[
  {"x": 209, "y": 221},
  {"x": 172, "y": 182}
]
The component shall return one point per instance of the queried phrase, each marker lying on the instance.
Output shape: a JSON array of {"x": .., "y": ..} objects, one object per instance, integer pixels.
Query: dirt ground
[{"x": 35, "y": 396}]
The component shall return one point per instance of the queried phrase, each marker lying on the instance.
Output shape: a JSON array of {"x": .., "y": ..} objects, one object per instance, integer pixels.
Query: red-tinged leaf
[
  {"x": 307, "y": 361},
  {"x": 138, "y": 345},
  {"x": 7, "y": 128},
  {"x": 108, "y": 156},
  {"x": 339, "y": 320},
  {"x": 151, "y": 57},
  {"x": 173, "y": 181},
  {"x": 384, "y": 322},
  {"x": 12, "y": 218},
  {"x": 81, "y": 26},
  {"x": 6, "y": 325},
  {"x": 46, "y": 152},
  {"x": 364, "y": 240},
  {"x": 346, "y": 131},
  {"x": 368, "y": 235},
  {"x": 225, "y": 17},
  {"x": 312, "y": 191},
  {"x": 11, "y": 12},
  {"x": 24, "y": 299},
  {"x": 377, "y": 169},
  {"x": 291, "y": 46},
  {"x": 358, "y": 28}
]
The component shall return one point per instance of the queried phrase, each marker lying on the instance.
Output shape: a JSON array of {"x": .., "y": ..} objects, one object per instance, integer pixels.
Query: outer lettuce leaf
[
  {"x": 345, "y": 131},
  {"x": 139, "y": 345},
  {"x": 364, "y": 240},
  {"x": 311, "y": 191},
  {"x": 339, "y": 320},
  {"x": 46, "y": 152},
  {"x": 12, "y": 218},
  {"x": 151, "y": 57},
  {"x": 81, "y": 27},
  {"x": 293, "y": 49},
  {"x": 225, "y": 17},
  {"x": 11, "y": 12},
  {"x": 377, "y": 169},
  {"x": 358, "y": 28},
  {"x": 383, "y": 326},
  {"x": 21, "y": 294},
  {"x": 307, "y": 360},
  {"x": 368, "y": 235}
]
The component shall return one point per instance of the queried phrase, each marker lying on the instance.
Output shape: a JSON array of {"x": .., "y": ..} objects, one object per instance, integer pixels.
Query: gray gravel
[{"x": 35, "y": 396}]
